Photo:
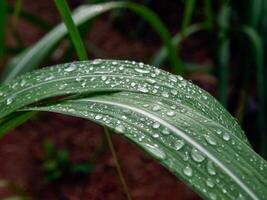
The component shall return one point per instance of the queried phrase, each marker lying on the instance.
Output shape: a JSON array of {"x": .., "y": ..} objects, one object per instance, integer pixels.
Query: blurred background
[{"x": 220, "y": 45}]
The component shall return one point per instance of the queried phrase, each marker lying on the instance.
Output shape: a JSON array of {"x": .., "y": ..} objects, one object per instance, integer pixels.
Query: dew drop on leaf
[
  {"x": 210, "y": 139},
  {"x": 156, "y": 108},
  {"x": 142, "y": 71},
  {"x": 71, "y": 68},
  {"x": 165, "y": 131},
  {"x": 210, "y": 168},
  {"x": 173, "y": 78},
  {"x": 197, "y": 155},
  {"x": 178, "y": 144},
  {"x": 210, "y": 183},
  {"x": 120, "y": 129},
  {"x": 226, "y": 136},
  {"x": 188, "y": 171},
  {"x": 170, "y": 113},
  {"x": 98, "y": 116},
  {"x": 165, "y": 94},
  {"x": 9, "y": 101},
  {"x": 156, "y": 151},
  {"x": 156, "y": 125}
]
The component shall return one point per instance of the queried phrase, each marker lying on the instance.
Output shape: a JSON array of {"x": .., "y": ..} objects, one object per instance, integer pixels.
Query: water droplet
[
  {"x": 178, "y": 144},
  {"x": 103, "y": 78},
  {"x": 156, "y": 108},
  {"x": 9, "y": 101},
  {"x": 197, "y": 155},
  {"x": 213, "y": 196},
  {"x": 165, "y": 94},
  {"x": 156, "y": 135},
  {"x": 188, "y": 171},
  {"x": 120, "y": 129},
  {"x": 150, "y": 80},
  {"x": 210, "y": 183},
  {"x": 210, "y": 168},
  {"x": 98, "y": 116},
  {"x": 156, "y": 151},
  {"x": 174, "y": 92},
  {"x": 22, "y": 83},
  {"x": 156, "y": 125},
  {"x": 143, "y": 71},
  {"x": 173, "y": 78},
  {"x": 180, "y": 77},
  {"x": 170, "y": 113},
  {"x": 165, "y": 131},
  {"x": 143, "y": 89},
  {"x": 226, "y": 136},
  {"x": 210, "y": 139},
  {"x": 71, "y": 68}
]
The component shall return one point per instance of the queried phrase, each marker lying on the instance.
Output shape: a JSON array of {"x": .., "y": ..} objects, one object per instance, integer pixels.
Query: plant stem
[{"x": 117, "y": 164}]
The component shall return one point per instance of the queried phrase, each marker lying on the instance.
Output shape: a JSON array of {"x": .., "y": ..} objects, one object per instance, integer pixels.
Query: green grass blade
[
  {"x": 3, "y": 18},
  {"x": 13, "y": 121},
  {"x": 33, "y": 56},
  {"x": 208, "y": 13},
  {"x": 255, "y": 11},
  {"x": 64, "y": 11},
  {"x": 160, "y": 57},
  {"x": 187, "y": 16},
  {"x": 223, "y": 52},
  {"x": 258, "y": 49},
  {"x": 16, "y": 13},
  {"x": 176, "y": 122}
]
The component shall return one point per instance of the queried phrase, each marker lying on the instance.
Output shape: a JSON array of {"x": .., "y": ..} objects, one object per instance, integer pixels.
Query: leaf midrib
[{"x": 188, "y": 139}]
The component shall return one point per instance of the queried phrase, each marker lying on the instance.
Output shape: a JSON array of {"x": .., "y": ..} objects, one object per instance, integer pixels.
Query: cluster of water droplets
[{"x": 177, "y": 100}]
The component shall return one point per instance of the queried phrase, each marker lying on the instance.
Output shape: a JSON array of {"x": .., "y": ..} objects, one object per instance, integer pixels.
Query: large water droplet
[
  {"x": 170, "y": 113},
  {"x": 197, "y": 155},
  {"x": 226, "y": 136},
  {"x": 213, "y": 196},
  {"x": 143, "y": 71},
  {"x": 165, "y": 131},
  {"x": 9, "y": 101},
  {"x": 98, "y": 116},
  {"x": 143, "y": 89},
  {"x": 178, "y": 144},
  {"x": 173, "y": 78},
  {"x": 156, "y": 125},
  {"x": 210, "y": 168},
  {"x": 120, "y": 129},
  {"x": 156, "y": 151},
  {"x": 210, "y": 139},
  {"x": 188, "y": 171},
  {"x": 71, "y": 68},
  {"x": 165, "y": 94},
  {"x": 156, "y": 108},
  {"x": 210, "y": 183}
]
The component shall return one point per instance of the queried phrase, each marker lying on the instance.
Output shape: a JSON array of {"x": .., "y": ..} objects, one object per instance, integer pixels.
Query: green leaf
[
  {"x": 64, "y": 10},
  {"x": 176, "y": 122},
  {"x": 258, "y": 50},
  {"x": 33, "y": 56},
  {"x": 162, "y": 54},
  {"x": 3, "y": 18}
]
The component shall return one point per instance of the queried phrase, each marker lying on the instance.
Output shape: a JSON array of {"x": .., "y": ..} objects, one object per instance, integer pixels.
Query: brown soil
[{"x": 21, "y": 153}]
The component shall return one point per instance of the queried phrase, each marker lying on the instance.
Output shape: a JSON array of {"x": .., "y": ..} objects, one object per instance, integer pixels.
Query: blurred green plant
[{"x": 57, "y": 165}]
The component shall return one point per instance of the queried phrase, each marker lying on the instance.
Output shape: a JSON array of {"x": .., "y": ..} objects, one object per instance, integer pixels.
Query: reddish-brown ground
[{"x": 21, "y": 152}]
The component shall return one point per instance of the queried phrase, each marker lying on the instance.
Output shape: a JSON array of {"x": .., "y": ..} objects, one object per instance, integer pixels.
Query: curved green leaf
[
  {"x": 176, "y": 122},
  {"x": 33, "y": 56}
]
